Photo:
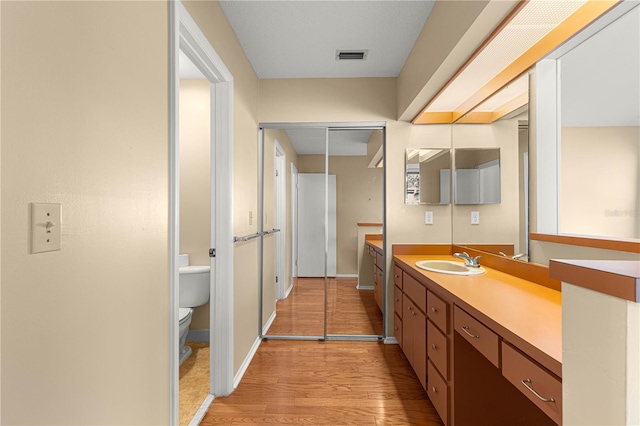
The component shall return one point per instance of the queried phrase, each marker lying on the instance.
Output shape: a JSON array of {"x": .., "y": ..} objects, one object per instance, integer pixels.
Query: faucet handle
[{"x": 474, "y": 261}]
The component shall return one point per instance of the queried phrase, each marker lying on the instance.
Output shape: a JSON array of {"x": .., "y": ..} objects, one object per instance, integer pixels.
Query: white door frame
[
  {"x": 185, "y": 35},
  {"x": 294, "y": 225},
  {"x": 280, "y": 215}
]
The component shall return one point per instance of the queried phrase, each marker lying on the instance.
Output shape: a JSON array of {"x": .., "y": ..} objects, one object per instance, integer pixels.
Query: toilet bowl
[
  {"x": 185, "y": 320},
  {"x": 193, "y": 291}
]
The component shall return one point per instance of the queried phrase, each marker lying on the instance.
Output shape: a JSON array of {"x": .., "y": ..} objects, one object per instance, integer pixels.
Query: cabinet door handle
[
  {"x": 434, "y": 347},
  {"x": 466, "y": 330},
  {"x": 526, "y": 384},
  {"x": 434, "y": 390},
  {"x": 434, "y": 310}
]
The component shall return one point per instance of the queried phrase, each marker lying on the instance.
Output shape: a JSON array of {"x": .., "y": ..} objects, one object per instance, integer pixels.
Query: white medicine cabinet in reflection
[
  {"x": 475, "y": 178},
  {"x": 427, "y": 176}
]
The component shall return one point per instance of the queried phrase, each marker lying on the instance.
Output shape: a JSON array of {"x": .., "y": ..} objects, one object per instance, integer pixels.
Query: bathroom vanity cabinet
[
  {"x": 487, "y": 348},
  {"x": 374, "y": 249}
]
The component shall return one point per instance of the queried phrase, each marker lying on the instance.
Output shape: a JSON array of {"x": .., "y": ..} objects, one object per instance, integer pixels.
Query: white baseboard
[
  {"x": 346, "y": 275},
  {"x": 252, "y": 352},
  {"x": 266, "y": 326},
  {"x": 197, "y": 418},
  {"x": 246, "y": 362},
  {"x": 286, "y": 293},
  {"x": 364, "y": 287},
  {"x": 390, "y": 341},
  {"x": 198, "y": 335}
]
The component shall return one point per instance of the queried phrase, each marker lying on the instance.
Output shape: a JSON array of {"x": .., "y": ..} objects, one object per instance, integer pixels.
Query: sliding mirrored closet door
[{"x": 311, "y": 246}]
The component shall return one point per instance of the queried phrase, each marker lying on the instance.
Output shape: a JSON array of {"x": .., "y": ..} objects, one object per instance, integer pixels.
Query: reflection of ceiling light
[{"x": 530, "y": 32}]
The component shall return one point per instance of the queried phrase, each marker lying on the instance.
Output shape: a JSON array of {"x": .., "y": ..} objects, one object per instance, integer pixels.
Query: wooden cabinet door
[{"x": 414, "y": 339}]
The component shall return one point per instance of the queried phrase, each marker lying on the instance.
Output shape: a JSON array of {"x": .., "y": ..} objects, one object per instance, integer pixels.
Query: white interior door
[{"x": 312, "y": 225}]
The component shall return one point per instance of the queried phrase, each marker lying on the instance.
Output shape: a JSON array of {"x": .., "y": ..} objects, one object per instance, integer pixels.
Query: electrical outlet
[
  {"x": 428, "y": 218},
  {"x": 475, "y": 218}
]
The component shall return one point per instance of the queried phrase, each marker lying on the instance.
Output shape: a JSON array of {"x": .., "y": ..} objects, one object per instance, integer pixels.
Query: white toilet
[{"x": 194, "y": 291}]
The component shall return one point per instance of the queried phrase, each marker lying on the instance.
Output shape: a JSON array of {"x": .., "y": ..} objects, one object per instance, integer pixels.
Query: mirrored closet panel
[{"x": 318, "y": 184}]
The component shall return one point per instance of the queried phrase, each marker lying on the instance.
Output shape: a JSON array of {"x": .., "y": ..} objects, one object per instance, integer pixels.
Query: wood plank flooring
[
  {"x": 326, "y": 383},
  {"x": 349, "y": 310}
]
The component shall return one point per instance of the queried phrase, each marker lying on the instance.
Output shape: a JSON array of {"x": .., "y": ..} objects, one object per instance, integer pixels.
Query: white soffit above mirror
[{"x": 528, "y": 34}]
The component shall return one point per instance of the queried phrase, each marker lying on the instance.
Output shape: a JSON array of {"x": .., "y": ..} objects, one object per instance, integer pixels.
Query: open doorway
[{"x": 188, "y": 40}]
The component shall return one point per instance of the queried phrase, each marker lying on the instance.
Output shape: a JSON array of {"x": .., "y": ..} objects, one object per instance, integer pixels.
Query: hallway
[{"x": 331, "y": 383}]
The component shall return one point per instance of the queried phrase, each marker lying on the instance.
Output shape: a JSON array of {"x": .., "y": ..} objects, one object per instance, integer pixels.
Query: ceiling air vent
[{"x": 344, "y": 55}]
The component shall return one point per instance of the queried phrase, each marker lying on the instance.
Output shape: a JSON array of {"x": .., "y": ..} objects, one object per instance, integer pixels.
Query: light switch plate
[
  {"x": 45, "y": 227},
  {"x": 475, "y": 218},
  {"x": 428, "y": 218}
]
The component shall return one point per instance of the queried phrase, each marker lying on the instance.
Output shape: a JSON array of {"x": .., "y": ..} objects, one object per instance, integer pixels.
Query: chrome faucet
[{"x": 469, "y": 261}]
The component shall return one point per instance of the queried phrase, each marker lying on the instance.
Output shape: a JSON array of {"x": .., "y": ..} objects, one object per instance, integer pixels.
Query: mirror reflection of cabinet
[
  {"x": 477, "y": 176},
  {"x": 428, "y": 176}
]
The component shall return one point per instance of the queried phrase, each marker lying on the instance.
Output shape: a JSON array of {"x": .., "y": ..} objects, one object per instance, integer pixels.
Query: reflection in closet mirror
[
  {"x": 477, "y": 176},
  {"x": 427, "y": 176}
]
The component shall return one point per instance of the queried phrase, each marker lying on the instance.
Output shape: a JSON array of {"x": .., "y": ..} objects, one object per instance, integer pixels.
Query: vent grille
[{"x": 351, "y": 55}]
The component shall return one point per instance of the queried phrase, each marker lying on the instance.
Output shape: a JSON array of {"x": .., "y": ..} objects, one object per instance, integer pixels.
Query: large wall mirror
[
  {"x": 477, "y": 176},
  {"x": 491, "y": 148},
  {"x": 599, "y": 163},
  {"x": 427, "y": 176}
]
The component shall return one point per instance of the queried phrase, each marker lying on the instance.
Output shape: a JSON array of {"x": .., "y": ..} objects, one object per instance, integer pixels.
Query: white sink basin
[{"x": 449, "y": 267}]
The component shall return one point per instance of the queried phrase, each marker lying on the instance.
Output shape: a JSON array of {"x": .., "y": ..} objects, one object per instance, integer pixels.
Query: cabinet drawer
[
  {"x": 397, "y": 328},
  {"x": 438, "y": 349},
  {"x": 415, "y": 291},
  {"x": 397, "y": 301},
  {"x": 379, "y": 261},
  {"x": 438, "y": 311},
  {"x": 530, "y": 379},
  {"x": 438, "y": 393},
  {"x": 397, "y": 276},
  {"x": 481, "y": 337}
]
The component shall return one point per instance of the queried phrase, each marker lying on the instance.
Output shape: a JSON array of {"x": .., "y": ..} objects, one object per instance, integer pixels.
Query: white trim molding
[{"x": 186, "y": 36}]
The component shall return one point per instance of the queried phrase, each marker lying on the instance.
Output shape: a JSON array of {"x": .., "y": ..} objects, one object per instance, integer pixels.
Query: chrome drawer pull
[
  {"x": 466, "y": 330},
  {"x": 526, "y": 382}
]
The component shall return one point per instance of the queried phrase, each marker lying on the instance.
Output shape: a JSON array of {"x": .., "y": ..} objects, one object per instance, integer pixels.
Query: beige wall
[
  {"x": 195, "y": 179},
  {"x": 499, "y": 223},
  {"x": 599, "y": 180},
  {"x": 78, "y": 130},
  {"x": 610, "y": 365},
  {"x": 213, "y": 23},
  {"x": 358, "y": 199}
]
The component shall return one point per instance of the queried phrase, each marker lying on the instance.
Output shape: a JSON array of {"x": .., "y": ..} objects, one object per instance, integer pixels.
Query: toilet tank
[{"x": 194, "y": 286}]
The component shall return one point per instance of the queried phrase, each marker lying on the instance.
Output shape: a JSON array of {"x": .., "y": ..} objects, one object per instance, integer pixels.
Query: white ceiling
[
  {"x": 341, "y": 142},
  {"x": 299, "y": 39}
]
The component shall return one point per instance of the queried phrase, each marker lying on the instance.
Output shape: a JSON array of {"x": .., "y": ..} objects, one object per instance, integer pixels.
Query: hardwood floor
[
  {"x": 330, "y": 383},
  {"x": 349, "y": 310}
]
